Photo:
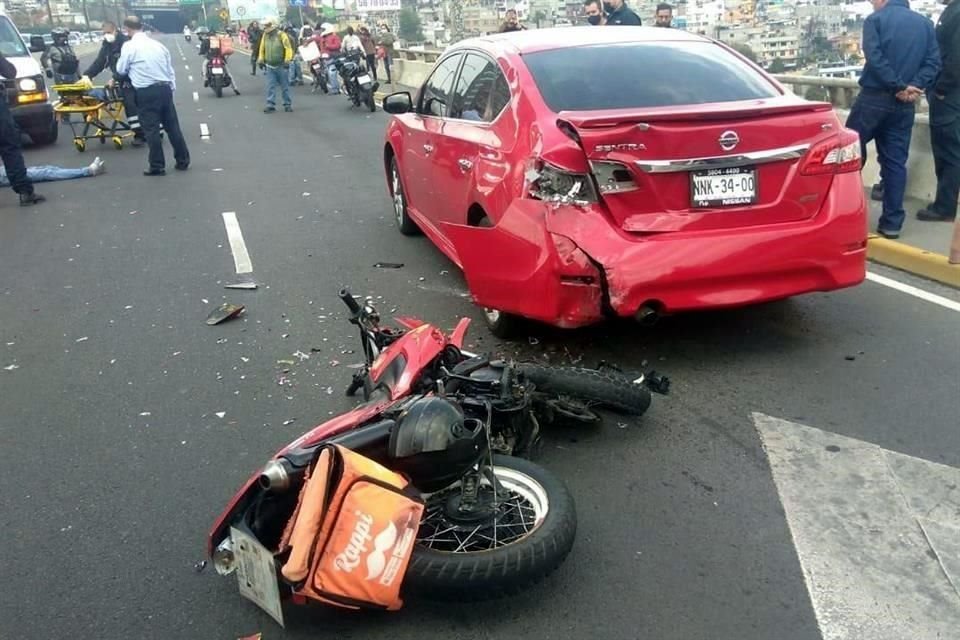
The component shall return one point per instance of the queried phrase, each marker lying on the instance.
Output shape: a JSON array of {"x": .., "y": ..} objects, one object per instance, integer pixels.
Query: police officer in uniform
[
  {"x": 107, "y": 59},
  {"x": 147, "y": 64},
  {"x": 10, "y": 151}
]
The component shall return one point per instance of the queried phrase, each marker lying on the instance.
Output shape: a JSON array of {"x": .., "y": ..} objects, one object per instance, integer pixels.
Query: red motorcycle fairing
[{"x": 396, "y": 369}]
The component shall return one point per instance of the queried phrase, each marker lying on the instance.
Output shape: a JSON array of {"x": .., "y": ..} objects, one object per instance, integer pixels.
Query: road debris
[
  {"x": 220, "y": 414},
  {"x": 850, "y": 358},
  {"x": 225, "y": 311},
  {"x": 12, "y": 367},
  {"x": 256, "y": 636},
  {"x": 83, "y": 339},
  {"x": 200, "y": 566},
  {"x": 241, "y": 285},
  {"x": 289, "y": 422},
  {"x": 388, "y": 265},
  {"x": 334, "y": 363},
  {"x": 144, "y": 414},
  {"x": 286, "y": 362},
  {"x": 533, "y": 341},
  {"x": 300, "y": 355}
]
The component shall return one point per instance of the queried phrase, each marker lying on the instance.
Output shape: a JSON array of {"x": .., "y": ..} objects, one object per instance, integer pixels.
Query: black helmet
[{"x": 434, "y": 445}]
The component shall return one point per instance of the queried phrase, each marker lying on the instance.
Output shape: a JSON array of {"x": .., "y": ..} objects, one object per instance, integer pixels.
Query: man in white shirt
[{"x": 147, "y": 63}]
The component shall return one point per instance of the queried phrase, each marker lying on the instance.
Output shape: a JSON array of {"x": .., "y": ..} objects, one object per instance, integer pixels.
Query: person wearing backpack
[
  {"x": 59, "y": 60},
  {"x": 274, "y": 57}
]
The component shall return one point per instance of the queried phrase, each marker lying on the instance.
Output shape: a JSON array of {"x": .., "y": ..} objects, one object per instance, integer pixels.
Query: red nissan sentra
[{"x": 578, "y": 174}]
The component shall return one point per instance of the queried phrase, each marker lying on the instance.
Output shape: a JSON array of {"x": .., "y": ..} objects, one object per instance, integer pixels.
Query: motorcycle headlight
[
  {"x": 223, "y": 559},
  {"x": 28, "y": 85}
]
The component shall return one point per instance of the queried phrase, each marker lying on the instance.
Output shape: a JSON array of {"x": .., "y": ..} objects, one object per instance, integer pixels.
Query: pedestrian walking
[
  {"x": 593, "y": 9},
  {"x": 902, "y": 62},
  {"x": 664, "y": 16},
  {"x": 10, "y": 151},
  {"x": 386, "y": 42},
  {"x": 369, "y": 51},
  {"x": 275, "y": 55},
  {"x": 618, "y": 13},
  {"x": 253, "y": 33},
  {"x": 53, "y": 173},
  {"x": 147, "y": 64},
  {"x": 107, "y": 58},
  {"x": 944, "y": 101}
]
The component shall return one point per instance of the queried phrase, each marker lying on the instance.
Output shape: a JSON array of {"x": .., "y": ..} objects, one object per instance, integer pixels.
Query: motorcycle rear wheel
[
  {"x": 529, "y": 534},
  {"x": 608, "y": 389},
  {"x": 217, "y": 86}
]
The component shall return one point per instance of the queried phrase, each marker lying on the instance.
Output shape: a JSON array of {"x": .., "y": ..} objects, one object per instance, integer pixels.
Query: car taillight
[
  {"x": 837, "y": 154},
  {"x": 552, "y": 184}
]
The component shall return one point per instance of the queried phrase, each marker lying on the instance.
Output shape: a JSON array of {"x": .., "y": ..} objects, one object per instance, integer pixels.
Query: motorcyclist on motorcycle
[
  {"x": 59, "y": 60},
  {"x": 329, "y": 43}
]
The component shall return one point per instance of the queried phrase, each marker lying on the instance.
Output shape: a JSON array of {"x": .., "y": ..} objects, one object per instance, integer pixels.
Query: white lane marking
[
  {"x": 196, "y": 97},
  {"x": 204, "y": 130},
  {"x": 913, "y": 291},
  {"x": 875, "y": 531},
  {"x": 241, "y": 259}
]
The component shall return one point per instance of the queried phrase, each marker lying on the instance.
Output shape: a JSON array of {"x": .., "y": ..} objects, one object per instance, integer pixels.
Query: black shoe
[
  {"x": 138, "y": 141},
  {"x": 182, "y": 167},
  {"x": 288, "y": 108},
  {"x": 155, "y": 172},
  {"x": 28, "y": 199},
  {"x": 876, "y": 193},
  {"x": 889, "y": 235},
  {"x": 927, "y": 214},
  {"x": 269, "y": 109}
]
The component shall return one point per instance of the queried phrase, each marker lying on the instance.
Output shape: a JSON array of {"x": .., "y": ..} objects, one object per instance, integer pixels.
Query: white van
[{"x": 27, "y": 94}]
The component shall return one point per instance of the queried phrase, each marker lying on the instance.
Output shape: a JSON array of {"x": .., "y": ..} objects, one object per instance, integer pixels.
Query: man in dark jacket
[
  {"x": 944, "y": 101},
  {"x": 254, "y": 32},
  {"x": 107, "y": 59},
  {"x": 10, "y": 151},
  {"x": 618, "y": 13},
  {"x": 902, "y": 62}
]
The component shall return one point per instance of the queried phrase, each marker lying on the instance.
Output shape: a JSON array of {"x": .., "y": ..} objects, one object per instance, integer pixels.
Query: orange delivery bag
[{"x": 352, "y": 533}]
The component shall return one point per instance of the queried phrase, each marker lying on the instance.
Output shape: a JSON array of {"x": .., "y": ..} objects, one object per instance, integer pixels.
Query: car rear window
[{"x": 643, "y": 74}]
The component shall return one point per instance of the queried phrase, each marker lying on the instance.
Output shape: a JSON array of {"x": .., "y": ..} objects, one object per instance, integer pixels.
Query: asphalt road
[{"x": 114, "y": 463}]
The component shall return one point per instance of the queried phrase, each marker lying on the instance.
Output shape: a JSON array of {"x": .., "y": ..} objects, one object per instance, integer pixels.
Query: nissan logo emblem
[{"x": 729, "y": 140}]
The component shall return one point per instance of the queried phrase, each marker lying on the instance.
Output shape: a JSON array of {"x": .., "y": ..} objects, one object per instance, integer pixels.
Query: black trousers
[
  {"x": 156, "y": 107},
  {"x": 372, "y": 64},
  {"x": 945, "y": 141},
  {"x": 130, "y": 108},
  {"x": 10, "y": 151},
  {"x": 253, "y": 62}
]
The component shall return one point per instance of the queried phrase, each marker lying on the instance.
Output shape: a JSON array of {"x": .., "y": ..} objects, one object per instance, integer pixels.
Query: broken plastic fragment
[
  {"x": 83, "y": 339},
  {"x": 144, "y": 413},
  {"x": 388, "y": 265},
  {"x": 287, "y": 423},
  {"x": 12, "y": 367},
  {"x": 300, "y": 355},
  {"x": 226, "y": 311},
  {"x": 220, "y": 414}
]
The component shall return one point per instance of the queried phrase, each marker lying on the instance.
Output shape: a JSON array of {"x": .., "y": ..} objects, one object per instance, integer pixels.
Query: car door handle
[
  {"x": 465, "y": 165},
  {"x": 428, "y": 148}
]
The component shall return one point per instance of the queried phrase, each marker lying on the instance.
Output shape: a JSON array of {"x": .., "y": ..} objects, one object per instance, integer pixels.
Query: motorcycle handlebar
[{"x": 350, "y": 301}]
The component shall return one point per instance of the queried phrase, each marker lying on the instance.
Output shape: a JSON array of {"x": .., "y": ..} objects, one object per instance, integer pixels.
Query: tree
[
  {"x": 745, "y": 51},
  {"x": 777, "y": 66},
  {"x": 410, "y": 28},
  {"x": 539, "y": 17},
  {"x": 819, "y": 94}
]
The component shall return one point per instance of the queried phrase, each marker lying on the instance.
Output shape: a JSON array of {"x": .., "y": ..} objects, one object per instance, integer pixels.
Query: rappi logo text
[{"x": 348, "y": 559}]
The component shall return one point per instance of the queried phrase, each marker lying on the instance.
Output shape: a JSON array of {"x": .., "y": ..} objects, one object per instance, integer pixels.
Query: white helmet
[{"x": 326, "y": 29}]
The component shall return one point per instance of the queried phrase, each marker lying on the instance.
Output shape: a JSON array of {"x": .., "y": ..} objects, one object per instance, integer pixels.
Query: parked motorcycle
[
  {"x": 357, "y": 82},
  {"x": 494, "y": 523}
]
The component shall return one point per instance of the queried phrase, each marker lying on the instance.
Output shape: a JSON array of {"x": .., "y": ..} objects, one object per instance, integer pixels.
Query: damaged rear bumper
[{"x": 569, "y": 266}]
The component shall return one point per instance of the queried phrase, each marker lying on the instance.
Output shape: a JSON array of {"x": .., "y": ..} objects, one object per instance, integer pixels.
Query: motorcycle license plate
[
  {"x": 317, "y": 67},
  {"x": 363, "y": 79},
  {"x": 216, "y": 71},
  {"x": 257, "y": 573}
]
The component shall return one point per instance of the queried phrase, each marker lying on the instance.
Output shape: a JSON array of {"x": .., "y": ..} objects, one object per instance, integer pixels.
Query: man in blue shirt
[
  {"x": 147, "y": 63},
  {"x": 902, "y": 62}
]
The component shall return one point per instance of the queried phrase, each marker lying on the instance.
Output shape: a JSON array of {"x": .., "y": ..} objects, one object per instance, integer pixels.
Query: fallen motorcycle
[{"x": 458, "y": 426}]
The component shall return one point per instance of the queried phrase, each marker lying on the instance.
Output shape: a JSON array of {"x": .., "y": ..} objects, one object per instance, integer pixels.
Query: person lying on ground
[{"x": 52, "y": 173}]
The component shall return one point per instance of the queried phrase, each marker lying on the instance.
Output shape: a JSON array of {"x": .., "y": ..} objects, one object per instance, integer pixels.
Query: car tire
[
  {"x": 46, "y": 136},
  {"x": 406, "y": 226},
  {"x": 504, "y": 325}
]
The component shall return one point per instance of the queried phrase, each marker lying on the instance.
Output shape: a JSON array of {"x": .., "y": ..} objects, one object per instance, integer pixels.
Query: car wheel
[
  {"x": 503, "y": 325},
  {"x": 407, "y": 226},
  {"x": 46, "y": 135}
]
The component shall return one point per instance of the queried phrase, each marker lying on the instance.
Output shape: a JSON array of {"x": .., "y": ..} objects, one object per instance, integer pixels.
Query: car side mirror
[
  {"x": 37, "y": 45},
  {"x": 398, "y": 103}
]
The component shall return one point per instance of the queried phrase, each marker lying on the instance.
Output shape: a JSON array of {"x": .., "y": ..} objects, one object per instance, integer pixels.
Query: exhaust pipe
[
  {"x": 275, "y": 476},
  {"x": 647, "y": 315}
]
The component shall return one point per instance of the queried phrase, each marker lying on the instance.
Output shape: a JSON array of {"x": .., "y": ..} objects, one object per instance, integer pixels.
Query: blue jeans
[
  {"x": 296, "y": 69},
  {"x": 333, "y": 78},
  {"x": 47, "y": 173},
  {"x": 880, "y": 117},
  {"x": 277, "y": 76}
]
